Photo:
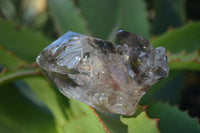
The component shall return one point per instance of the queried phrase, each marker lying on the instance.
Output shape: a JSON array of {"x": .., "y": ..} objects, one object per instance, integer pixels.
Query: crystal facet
[{"x": 111, "y": 78}]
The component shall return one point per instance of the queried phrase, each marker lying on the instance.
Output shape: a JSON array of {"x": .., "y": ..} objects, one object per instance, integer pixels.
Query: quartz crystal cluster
[{"x": 111, "y": 78}]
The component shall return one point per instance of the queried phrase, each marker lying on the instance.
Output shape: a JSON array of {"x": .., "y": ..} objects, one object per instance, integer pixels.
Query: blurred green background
[{"x": 29, "y": 104}]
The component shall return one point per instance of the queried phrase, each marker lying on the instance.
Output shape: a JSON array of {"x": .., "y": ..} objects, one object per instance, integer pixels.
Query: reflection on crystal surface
[{"x": 98, "y": 73}]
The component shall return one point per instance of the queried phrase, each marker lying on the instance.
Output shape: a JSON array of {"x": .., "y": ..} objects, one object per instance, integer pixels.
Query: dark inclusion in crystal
[{"x": 100, "y": 74}]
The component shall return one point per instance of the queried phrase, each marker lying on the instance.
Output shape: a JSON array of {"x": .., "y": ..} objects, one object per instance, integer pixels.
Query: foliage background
[{"x": 29, "y": 104}]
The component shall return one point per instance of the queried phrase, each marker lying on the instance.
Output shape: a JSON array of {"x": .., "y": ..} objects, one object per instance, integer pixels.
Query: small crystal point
[{"x": 100, "y": 74}]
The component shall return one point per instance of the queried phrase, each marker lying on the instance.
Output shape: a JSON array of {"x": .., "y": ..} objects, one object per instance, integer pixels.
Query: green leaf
[
  {"x": 66, "y": 16},
  {"x": 172, "y": 120},
  {"x": 93, "y": 116},
  {"x": 184, "y": 61},
  {"x": 184, "y": 38},
  {"x": 133, "y": 17},
  {"x": 82, "y": 124},
  {"x": 76, "y": 109},
  {"x": 168, "y": 13},
  {"x": 140, "y": 123},
  {"x": 20, "y": 115},
  {"x": 25, "y": 43},
  {"x": 113, "y": 122},
  {"x": 100, "y": 15}
]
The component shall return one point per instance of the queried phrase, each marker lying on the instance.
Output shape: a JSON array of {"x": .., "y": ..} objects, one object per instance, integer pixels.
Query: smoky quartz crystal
[{"x": 111, "y": 78}]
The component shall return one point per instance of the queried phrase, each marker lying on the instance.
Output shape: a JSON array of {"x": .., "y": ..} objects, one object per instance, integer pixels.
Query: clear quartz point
[{"x": 110, "y": 78}]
